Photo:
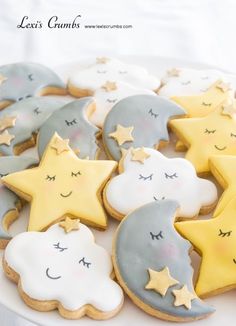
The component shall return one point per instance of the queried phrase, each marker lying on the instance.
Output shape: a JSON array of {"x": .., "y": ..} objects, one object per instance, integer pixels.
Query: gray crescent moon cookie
[
  {"x": 22, "y": 80},
  {"x": 137, "y": 121},
  {"x": 9, "y": 202},
  {"x": 152, "y": 264},
  {"x": 21, "y": 121},
  {"x": 71, "y": 122}
]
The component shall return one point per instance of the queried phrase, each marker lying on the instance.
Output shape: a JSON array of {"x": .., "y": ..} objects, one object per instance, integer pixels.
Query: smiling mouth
[
  {"x": 52, "y": 277},
  {"x": 220, "y": 148},
  {"x": 66, "y": 195}
]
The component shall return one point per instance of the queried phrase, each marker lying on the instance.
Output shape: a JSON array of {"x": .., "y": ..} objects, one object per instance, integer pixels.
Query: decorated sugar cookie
[
  {"x": 9, "y": 202},
  {"x": 187, "y": 81},
  {"x": 214, "y": 240},
  {"x": 62, "y": 184},
  {"x": 64, "y": 270},
  {"x": 136, "y": 121},
  {"x": 147, "y": 175},
  {"x": 71, "y": 122},
  {"x": 106, "y": 97},
  {"x": 22, "y": 80},
  {"x": 85, "y": 81},
  {"x": 204, "y": 137},
  {"x": 21, "y": 121},
  {"x": 152, "y": 264}
]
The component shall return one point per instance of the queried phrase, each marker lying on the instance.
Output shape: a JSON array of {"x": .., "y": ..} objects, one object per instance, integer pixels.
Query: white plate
[{"x": 130, "y": 314}]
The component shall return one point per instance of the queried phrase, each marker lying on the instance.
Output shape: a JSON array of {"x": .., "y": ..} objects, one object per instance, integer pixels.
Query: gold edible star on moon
[
  {"x": 2, "y": 79},
  {"x": 61, "y": 145},
  {"x": 139, "y": 155},
  {"x": 225, "y": 87},
  {"x": 7, "y": 122},
  {"x": 122, "y": 134},
  {"x": 6, "y": 138},
  {"x": 174, "y": 72},
  {"x": 229, "y": 108},
  {"x": 160, "y": 281},
  {"x": 183, "y": 297},
  {"x": 69, "y": 225},
  {"x": 109, "y": 86},
  {"x": 102, "y": 60}
]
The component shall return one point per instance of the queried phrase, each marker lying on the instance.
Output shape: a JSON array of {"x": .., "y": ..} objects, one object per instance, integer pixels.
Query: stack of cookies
[{"x": 99, "y": 155}]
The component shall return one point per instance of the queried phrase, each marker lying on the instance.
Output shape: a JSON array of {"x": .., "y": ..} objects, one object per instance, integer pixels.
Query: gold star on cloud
[
  {"x": 2, "y": 79},
  {"x": 6, "y": 138},
  {"x": 229, "y": 108},
  {"x": 69, "y": 225},
  {"x": 139, "y": 155},
  {"x": 102, "y": 60},
  {"x": 224, "y": 87},
  {"x": 174, "y": 72},
  {"x": 7, "y": 122},
  {"x": 183, "y": 297},
  {"x": 122, "y": 134},
  {"x": 61, "y": 145},
  {"x": 160, "y": 281},
  {"x": 109, "y": 86}
]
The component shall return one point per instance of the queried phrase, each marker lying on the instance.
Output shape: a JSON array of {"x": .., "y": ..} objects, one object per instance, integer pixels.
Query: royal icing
[
  {"x": 63, "y": 184},
  {"x": 215, "y": 241},
  {"x": 105, "y": 100},
  {"x": 71, "y": 122},
  {"x": 8, "y": 200},
  {"x": 113, "y": 70},
  {"x": 139, "y": 120},
  {"x": 147, "y": 175},
  {"x": 152, "y": 263},
  {"x": 22, "y": 80},
  {"x": 28, "y": 115},
  {"x": 67, "y": 267}
]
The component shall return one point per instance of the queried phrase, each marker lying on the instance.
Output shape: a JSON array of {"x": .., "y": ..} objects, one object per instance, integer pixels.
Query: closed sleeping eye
[
  {"x": 155, "y": 115},
  {"x": 84, "y": 262},
  {"x": 232, "y": 135},
  {"x": 171, "y": 176},
  {"x": 207, "y": 131},
  {"x": 206, "y": 104},
  {"x": 71, "y": 123},
  {"x": 101, "y": 71},
  {"x": 142, "y": 177},
  {"x": 50, "y": 178},
  {"x": 224, "y": 234},
  {"x": 186, "y": 82},
  {"x": 3, "y": 175},
  {"x": 30, "y": 77},
  {"x": 37, "y": 111},
  {"x": 157, "y": 236},
  {"x": 204, "y": 77},
  {"x": 156, "y": 199},
  {"x": 111, "y": 101},
  {"x": 123, "y": 72},
  {"x": 75, "y": 174},
  {"x": 59, "y": 247}
]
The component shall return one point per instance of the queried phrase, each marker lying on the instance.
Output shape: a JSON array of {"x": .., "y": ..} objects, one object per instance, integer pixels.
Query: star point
[
  {"x": 122, "y": 134},
  {"x": 70, "y": 224},
  {"x": 183, "y": 297},
  {"x": 139, "y": 155},
  {"x": 6, "y": 138},
  {"x": 61, "y": 145},
  {"x": 102, "y": 60},
  {"x": 224, "y": 87},
  {"x": 109, "y": 86},
  {"x": 7, "y": 122},
  {"x": 174, "y": 72},
  {"x": 229, "y": 108}
]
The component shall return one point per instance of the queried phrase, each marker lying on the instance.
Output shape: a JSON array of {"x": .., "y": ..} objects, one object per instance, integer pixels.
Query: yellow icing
[
  {"x": 51, "y": 199},
  {"x": 217, "y": 270}
]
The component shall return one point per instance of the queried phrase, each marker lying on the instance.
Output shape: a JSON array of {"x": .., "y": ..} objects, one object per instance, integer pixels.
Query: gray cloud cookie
[
  {"x": 139, "y": 120},
  {"x": 152, "y": 264},
  {"x": 71, "y": 122}
]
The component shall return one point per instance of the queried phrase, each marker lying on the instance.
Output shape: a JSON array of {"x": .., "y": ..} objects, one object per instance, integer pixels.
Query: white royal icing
[
  {"x": 33, "y": 255},
  {"x": 162, "y": 178},
  {"x": 113, "y": 70},
  {"x": 106, "y": 100}
]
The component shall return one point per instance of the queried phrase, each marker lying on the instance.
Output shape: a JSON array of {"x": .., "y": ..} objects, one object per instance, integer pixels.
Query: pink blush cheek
[
  {"x": 208, "y": 139},
  {"x": 221, "y": 246},
  {"x": 170, "y": 251}
]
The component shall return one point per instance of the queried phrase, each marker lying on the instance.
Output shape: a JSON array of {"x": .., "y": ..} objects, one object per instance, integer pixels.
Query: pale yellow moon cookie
[
  {"x": 62, "y": 185},
  {"x": 215, "y": 241}
]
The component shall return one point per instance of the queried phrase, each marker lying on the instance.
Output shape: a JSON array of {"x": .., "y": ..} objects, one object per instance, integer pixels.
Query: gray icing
[
  {"x": 136, "y": 252},
  {"x": 71, "y": 122},
  {"x": 148, "y": 114},
  {"x": 24, "y": 80},
  {"x": 8, "y": 200},
  {"x": 30, "y": 115}
]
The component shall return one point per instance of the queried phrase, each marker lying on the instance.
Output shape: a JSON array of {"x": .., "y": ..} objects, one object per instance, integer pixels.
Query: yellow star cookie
[
  {"x": 214, "y": 134},
  {"x": 122, "y": 134},
  {"x": 7, "y": 122},
  {"x": 215, "y": 241},
  {"x": 183, "y": 297},
  {"x": 63, "y": 185},
  {"x": 6, "y": 138},
  {"x": 160, "y": 281},
  {"x": 69, "y": 225},
  {"x": 109, "y": 86},
  {"x": 139, "y": 155},
  {"x": 202, "y": 104}
]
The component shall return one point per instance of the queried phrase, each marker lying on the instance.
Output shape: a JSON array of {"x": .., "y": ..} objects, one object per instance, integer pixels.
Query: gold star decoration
[
  {"x": 2, "y": 79},
  {"x": 6, "y": 138},
  {"x": 224, "y": 87},
  {"x": 139, "y": 155},
  {"x": 229, "y": 108},
  {"x": 61, "y": 145},
  {"x": 7, "y": 122},
  {"x": 122, "y": 134},
  {"x": 160, "y": 281},
  {"x": 174, "y": 72},
  {"x": 183, "y": 297},
  {"x": 109, "y": 86},
  {"x": 102, "y": 60},
  {"x": 69, "y": 225}
]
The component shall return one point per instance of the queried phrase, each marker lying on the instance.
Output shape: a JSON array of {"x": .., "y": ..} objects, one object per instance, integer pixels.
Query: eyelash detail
[
  {"x": 186, "y": 83},
  {"x": 155, "y": 115},
  {"x": 111, "y": 101},
  {"x": 3, "y": 175},
  {"x": 206, "y": 104},
  {"x": 101, "y": 71},
  {"x": 157, "y": 236},
  {"x": 224, "y": 234},
  {"x": 207, "y": 131},
  {"x": 30, "y": 77},
  {"x": 122, "y": 72},
  {"x": 141, "y": 177},
  {"x": 75, "y": 174},
  {"x": 37, "y": 111},
  {"x": 50, "y": 178},
  {"x": 84, "y": 262},
  {"x": 232, "y": 135},
  {"x": 71, "y": 123},
  {"x": 171, "y": 176},
  {"x": 57, "y": 246},
  {"x": 156, "y": 199},
  {"x": 205, "y": 77}
]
